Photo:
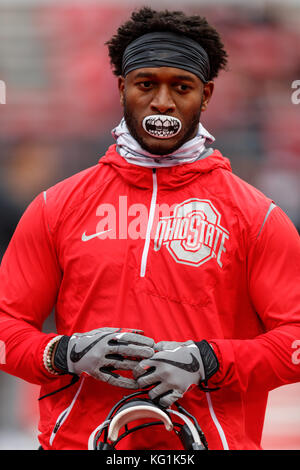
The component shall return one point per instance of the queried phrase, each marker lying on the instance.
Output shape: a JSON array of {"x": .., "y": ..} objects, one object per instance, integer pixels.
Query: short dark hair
[{"x": 147, "y": 20}]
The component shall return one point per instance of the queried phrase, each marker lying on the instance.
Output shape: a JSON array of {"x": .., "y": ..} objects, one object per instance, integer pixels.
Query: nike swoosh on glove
[
  {"x": 174, "y": 368},
  {"x": 102, "y": 351}
]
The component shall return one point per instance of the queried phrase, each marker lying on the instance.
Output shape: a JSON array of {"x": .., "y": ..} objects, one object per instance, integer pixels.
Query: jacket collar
[{"x": 172, "y": 177}]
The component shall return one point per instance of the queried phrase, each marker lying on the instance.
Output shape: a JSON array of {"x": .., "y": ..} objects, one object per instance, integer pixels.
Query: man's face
[{"x": 164, "y": 91}]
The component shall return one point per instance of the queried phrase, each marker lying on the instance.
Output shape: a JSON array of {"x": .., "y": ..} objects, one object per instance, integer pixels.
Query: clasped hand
[{"x": 170, "y": 368}]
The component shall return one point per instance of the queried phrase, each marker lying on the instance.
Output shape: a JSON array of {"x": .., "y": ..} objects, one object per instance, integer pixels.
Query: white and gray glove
[
  {"x": 174, "y": 368},
  {"x": 102, "y": 351}
]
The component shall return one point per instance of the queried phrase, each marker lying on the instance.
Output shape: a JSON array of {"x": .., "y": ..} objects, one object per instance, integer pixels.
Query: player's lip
[{"x": 162, "y": 126}]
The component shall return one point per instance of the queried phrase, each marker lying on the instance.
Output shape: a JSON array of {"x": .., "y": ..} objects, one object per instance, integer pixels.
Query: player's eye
[
  {"x": 183, "y": 87},
  {"x": 145, "y": 85}
]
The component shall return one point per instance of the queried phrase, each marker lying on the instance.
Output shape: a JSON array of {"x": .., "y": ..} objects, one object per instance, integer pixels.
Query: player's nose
[{"x": 162, "y": 102}]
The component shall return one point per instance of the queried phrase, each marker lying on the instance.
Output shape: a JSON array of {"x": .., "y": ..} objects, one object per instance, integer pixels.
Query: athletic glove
[
  {"x": 174, "y": 368},
  {"x": 100, "y": 352}
]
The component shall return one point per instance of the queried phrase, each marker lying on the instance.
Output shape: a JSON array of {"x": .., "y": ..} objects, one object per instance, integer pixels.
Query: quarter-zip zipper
[
  {"x": 150, "y": 224},
  {"x": 64, "y": 414}
]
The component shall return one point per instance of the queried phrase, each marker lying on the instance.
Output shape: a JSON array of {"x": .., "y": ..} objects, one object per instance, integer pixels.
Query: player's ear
[
  {"x": 121, "y": 86},
  {"x": 207, "y": 93}
]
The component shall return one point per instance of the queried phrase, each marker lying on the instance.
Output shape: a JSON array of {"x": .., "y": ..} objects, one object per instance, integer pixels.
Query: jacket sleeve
[
  {"x": 271, "y": 359},
  {"x": 29, "y": 281}
]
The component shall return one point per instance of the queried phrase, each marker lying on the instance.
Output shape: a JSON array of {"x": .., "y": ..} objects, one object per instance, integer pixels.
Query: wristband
[
  {"x": 60, "y": 355},
  {"x": 209, "y": 358}
]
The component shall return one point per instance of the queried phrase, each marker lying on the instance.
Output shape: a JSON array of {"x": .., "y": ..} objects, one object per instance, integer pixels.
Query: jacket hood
[{"x": 175, "y": 176}]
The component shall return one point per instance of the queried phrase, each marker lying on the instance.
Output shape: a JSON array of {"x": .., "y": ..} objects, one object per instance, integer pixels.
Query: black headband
[{"x": 165, "y": 49}]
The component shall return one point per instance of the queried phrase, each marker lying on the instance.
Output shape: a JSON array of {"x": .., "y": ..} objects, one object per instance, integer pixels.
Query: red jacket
[{"x": 189, "y": 252}]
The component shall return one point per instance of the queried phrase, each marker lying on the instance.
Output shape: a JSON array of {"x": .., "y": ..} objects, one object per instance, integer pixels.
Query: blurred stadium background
[{"x": 62, "y": 102}]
